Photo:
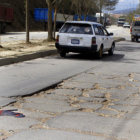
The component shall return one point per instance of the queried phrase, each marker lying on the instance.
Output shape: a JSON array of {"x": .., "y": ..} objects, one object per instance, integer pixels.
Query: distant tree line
[{"x": 130, "y": 15}]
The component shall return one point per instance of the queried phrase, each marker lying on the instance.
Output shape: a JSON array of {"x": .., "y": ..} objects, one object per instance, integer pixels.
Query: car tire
[
  {"x": 137, "y": 39},
  {"x": 100, "y": 53},
  {"x": 132, "y": 39},
  {"x": 111, "y": 51},
  {"x": 62, "y": 54}
]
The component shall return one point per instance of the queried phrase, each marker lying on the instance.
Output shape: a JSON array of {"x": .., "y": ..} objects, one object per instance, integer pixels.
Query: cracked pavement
[{"x": 98, "y": 104}]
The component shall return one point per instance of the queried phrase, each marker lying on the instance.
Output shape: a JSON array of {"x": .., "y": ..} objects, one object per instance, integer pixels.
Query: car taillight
[
  {"x": 57, "y": 39},
  {"x": 130, "y": 29},
  {"x": 93, "y": 40}
]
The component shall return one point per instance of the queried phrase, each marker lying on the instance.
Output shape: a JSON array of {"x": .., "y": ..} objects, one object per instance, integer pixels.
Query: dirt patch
[{"x": 19, "y": 48}]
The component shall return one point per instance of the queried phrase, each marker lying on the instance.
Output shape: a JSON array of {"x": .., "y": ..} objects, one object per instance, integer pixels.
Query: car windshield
[
  {"x": 137, "y": 23},
  {"x": 76, "y": 28},
  {"x": 126, "y": 23},
  {"x": 121, "y": 19}
]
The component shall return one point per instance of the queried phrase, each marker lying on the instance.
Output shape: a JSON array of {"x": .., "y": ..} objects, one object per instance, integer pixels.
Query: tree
[
  {"x": 27, "y": 21},
  {"x": 66, "y": 8},
  {"x": 84, "y": 7},
  {"x": 50, "y": 29},
  {"x": 56, "y": 5},
  {"x": 78, "y": 6},
  {"x": 106, "y": 5},
  {"x": 89, "y": 7}
]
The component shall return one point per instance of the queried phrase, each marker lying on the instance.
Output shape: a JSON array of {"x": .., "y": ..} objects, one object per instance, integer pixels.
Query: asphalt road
[
  {"x": 102, "y": 103},
  {"x": 31, "y": 76}
]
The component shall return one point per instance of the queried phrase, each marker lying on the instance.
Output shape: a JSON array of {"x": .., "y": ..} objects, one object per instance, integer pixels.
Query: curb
[
  {"x": 26, "y": 57},
  {"x": 118, "y": 39}
]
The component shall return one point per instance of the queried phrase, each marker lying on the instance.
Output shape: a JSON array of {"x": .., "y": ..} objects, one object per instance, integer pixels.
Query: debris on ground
[{"x": 11, "y": 113}]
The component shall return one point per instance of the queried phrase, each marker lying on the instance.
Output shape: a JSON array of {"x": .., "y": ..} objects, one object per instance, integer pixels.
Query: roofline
[{"x": 86, "y": 22}]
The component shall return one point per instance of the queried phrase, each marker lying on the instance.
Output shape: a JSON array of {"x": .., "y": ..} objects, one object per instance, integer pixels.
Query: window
[
  {"x": 137, "y": 23},
  {"x": 98, "y": 30},
  {"x": 105, "y": 31},
  {"x": 76, "y": 28}
]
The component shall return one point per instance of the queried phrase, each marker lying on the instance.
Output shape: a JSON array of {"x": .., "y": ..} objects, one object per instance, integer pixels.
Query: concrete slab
[
  {"x": 54, "y": 106},
  {"x": 79, "y": 85},
  {"x": 52, "y": 135},
  {"x": 11, "y": 123},
  {"x": 5, "y": 101},
  {"x": 114, "y": 127},
  {"x": 68, "y": 92},
  {"x": 84, "y": 122}
]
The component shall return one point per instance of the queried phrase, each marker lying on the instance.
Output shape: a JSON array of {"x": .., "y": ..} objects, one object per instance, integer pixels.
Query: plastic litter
[{"x": 11, "y": 113}]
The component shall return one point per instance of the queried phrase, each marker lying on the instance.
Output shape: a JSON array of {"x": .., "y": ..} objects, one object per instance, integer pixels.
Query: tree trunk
[
  {"x": 54, "y": 28},
  {"x": 100, "y": 12},
  {"x": 27, "y": 21},
  {"x": 50, "y": 37}
]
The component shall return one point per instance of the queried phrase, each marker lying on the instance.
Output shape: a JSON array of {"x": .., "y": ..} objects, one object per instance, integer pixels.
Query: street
[{"x": 76, "y": 98}]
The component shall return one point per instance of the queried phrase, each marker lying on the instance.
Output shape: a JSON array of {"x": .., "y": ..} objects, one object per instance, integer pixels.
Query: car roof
[{"x": 85, "y": 22}]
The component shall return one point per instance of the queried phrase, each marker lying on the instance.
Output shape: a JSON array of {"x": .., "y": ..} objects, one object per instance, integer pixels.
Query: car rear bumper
[{"x": 79, "y": 49}]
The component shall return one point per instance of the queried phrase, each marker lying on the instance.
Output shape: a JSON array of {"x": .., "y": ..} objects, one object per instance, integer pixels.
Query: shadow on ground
[{"x": 91, "y": 57}]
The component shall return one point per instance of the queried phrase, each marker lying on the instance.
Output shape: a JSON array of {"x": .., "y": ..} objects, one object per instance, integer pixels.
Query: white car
[
  {"x": 83, "y": 37},
  {"x": 126, "y": 25}
]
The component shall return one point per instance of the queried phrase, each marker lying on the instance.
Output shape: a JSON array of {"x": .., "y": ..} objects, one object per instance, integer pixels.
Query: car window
[
  {"x": 137, "y": 23},
  {"x": 105, "y": 32},
  {"x": 76, "y": 28},
  {"x": 98, "y": 30}
]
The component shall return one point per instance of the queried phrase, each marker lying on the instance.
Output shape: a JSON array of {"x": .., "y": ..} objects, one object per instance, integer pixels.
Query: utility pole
[{"x": 27, "y": 21}]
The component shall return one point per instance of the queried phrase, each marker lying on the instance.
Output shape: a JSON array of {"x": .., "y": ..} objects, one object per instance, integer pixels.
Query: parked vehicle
[
  {"x": 6, "y": 16},
  {"x": 83, "y": 37},
  {"x": 126, "y": 25},
  {"x": 121, "y": 21},
  {"x": 135, "y": 28},
  {"x": 41, "y": 15}
]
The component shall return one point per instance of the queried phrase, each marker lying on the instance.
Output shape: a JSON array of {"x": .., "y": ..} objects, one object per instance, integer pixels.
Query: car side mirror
[{"x": 111, "y": 34}]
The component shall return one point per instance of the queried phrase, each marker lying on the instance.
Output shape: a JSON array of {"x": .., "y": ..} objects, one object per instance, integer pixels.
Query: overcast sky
[{"x": 126, "y": 4}]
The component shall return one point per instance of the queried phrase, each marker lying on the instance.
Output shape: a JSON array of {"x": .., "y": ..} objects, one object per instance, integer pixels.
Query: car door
[
  {"x": 99, "y": 36},
  {"x": 104, "y": 37},
  {"x": 108, "y": 38}
]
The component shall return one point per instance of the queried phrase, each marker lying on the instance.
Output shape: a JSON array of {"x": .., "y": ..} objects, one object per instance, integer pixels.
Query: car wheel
[
  {"x": 100, "y": 53},
  {"x": 111, "y": 51},
  {"x": 137, "y": 39},
  {"x": 62, "y": 54},
  {"x": 132, "y": 39}
]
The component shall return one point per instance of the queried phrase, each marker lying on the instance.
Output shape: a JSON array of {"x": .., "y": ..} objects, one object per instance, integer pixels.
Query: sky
[{"x": 126, "y": 4}]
